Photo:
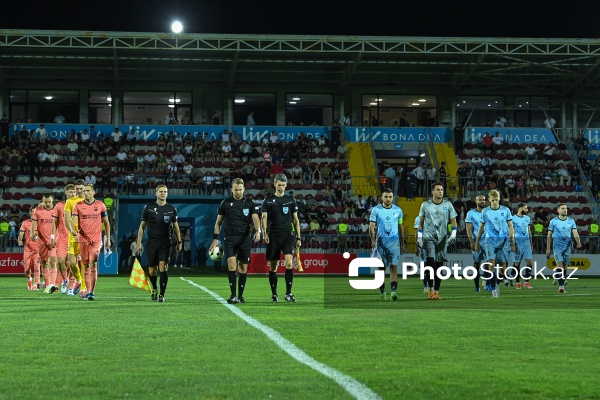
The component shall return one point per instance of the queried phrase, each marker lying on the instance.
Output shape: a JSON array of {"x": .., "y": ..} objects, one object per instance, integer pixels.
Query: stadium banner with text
[
  {"x": 593, "y": 136},
  {"x": 144, "y": 132},
  {"x": 12, "y": 263},
  {"x": 291, "y": 133},
  {"x": 392, "y": 135},
  {"x": 313, "y": 263},
  {"x": 511, "y": 135},
  {"x": 62, "y": 131}
]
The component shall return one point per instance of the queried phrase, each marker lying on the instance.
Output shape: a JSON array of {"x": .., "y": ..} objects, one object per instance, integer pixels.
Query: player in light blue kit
[
  {"x": 387, "y": 237},
  {"x": 523, "y": 238},
  {"x": 472, "y": 222},
  {"x": 433, "y": 237},
  {"x": 421, "y": 254},
  {"x": 560, "y": 231},
  {"x": 498, "y": 234}
]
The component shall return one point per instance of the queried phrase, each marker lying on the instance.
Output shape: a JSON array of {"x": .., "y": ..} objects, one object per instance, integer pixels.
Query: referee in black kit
[
  {"x": 279, "y": 211},
  {"x": 239, "y": 214},
  {"x": 161, "y": 219}
]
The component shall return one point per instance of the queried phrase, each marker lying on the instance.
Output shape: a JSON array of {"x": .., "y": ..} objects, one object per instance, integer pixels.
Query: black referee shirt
[
  {"x": 280, "y": 211},
  {"x": 238, "y": 215},
  {"x": 159, "y": 220}
]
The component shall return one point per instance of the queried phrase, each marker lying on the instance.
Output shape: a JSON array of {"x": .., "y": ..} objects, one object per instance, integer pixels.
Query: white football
[{"x": 216, "y": 253}]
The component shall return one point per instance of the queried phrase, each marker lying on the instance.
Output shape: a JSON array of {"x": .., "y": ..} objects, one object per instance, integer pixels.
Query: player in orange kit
[
  {"x": 41, "y": 228},
  {"x": 31, "y": 257},
  {"x": 90, "y": 214}
]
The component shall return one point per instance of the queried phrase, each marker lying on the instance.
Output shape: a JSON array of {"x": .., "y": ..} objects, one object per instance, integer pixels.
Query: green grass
[{"x": 526, "y": 344}]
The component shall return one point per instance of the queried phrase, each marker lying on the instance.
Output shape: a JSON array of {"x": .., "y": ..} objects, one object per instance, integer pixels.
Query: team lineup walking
[{"x": 63, "y": 239}]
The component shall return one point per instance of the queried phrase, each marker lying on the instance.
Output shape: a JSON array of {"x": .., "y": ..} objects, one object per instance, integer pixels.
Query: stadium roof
[{"x": 562, "y": 68}]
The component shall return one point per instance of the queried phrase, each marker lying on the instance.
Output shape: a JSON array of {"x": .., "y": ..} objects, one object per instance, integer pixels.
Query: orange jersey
[
  {"x": 90, "y": 220},
  {"x": 70, "y": 206},
  {"x": 30, "y": 245},
  {"x": 44, "y": 220},
  {"x": 59, "y": 216}
]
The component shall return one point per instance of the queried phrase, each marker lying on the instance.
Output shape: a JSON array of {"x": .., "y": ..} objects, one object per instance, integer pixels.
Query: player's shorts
[
  {"x": 498, "y": 254},
  {"x": 239, "y": 247},
  {"x": 432, "y": 249},
  {"x": 562, "y": 254},
  {"x": 479, "y": 256},
  {"x": 73, "y": 248},
  {"x": 62, "y": 248},
  {"x": 45, "y": 252},
  {"x": 497, "y": 250},
  {"x": 158, "y": 250},
  {"x": 523, "y": 253},
  {"x": 89, "y": 251},
  {"x": 31, "y": 259},
  {"x": 278, "y": 244},
  {"x": 390, "y": 253}
]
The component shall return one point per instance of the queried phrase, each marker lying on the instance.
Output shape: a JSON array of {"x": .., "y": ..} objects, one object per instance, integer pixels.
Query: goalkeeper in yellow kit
[{"x": 72, "y": 227}]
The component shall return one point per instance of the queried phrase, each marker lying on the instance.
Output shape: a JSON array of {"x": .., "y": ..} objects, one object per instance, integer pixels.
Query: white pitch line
[{"x": 348, "y": 383}]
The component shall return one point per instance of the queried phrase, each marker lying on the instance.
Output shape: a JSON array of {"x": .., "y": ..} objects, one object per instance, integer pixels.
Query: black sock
[
  {"x": 518, "y": 272},
  {"x": 232, "y": 275},
  {"x": 289, "y": 280},
  {"x": 425, "y": 282},
  {"x": 241, "y": 284},
  {"x": 561, "y": 277},
  {"x": 394, "y": 286},
  {"x": 153, "y": 280},
  {"x": 436, "y": 280},
  {"x": 273, "y": 282},
  {"x": 164, "y": 278},
  {"x": 527, "y": 273},
  {"x": 478, "y": 276},
  {"x": 431, "y": 263}
]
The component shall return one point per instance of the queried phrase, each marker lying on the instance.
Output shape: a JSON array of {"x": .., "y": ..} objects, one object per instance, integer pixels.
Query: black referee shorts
[
  {"x": 158, "y": 250},
  {"x": 239, "y": 247},
  {"x": 280, "y": 244}
]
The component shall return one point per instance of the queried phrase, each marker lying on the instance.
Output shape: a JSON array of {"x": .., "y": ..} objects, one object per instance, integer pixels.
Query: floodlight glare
[{"x": 176, "y": 27}]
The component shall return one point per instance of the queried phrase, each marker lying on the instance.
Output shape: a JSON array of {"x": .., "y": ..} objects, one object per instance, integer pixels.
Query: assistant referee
[
  {"x": 161, "y": 219},
  {"x": 279, "y": 212},
  {"x": 239, "y": 214}
]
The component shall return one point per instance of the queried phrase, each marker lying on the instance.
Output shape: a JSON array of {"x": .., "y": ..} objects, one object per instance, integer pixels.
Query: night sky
[{"x": 482, "y": 18}]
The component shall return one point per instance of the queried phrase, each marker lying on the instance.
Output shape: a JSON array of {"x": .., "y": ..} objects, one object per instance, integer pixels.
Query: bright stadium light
[
  {"x": 48, "y": 97},
  {"x": 177, "y": 27}
]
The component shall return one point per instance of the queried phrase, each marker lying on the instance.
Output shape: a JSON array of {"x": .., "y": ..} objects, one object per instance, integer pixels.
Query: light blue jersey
[
  {"x": 495, "y": 239},
  {"x": 474, "y": 218},
  {"x": 522, "y": 238},
  {"x": 387, "y": 221},
  {"x": 495, "y": 230},
  {"x": 521, "y": 226},
  {"x": 562, "y": 231}
]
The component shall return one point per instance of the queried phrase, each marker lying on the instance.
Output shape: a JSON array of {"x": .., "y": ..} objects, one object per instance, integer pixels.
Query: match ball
[{"x": 216, "y": 253}]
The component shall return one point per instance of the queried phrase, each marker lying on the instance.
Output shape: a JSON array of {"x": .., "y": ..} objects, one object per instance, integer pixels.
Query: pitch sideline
[{"x": 348, "y": 383}]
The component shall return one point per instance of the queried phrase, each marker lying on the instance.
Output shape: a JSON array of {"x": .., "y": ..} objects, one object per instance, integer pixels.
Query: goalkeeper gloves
[
  {"x": 420, "y": 238},
  {"x": 452, "y": 238}
]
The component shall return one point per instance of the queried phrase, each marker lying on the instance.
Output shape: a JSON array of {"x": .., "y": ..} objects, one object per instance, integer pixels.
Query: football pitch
[{"x": 334, "y": 343}]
